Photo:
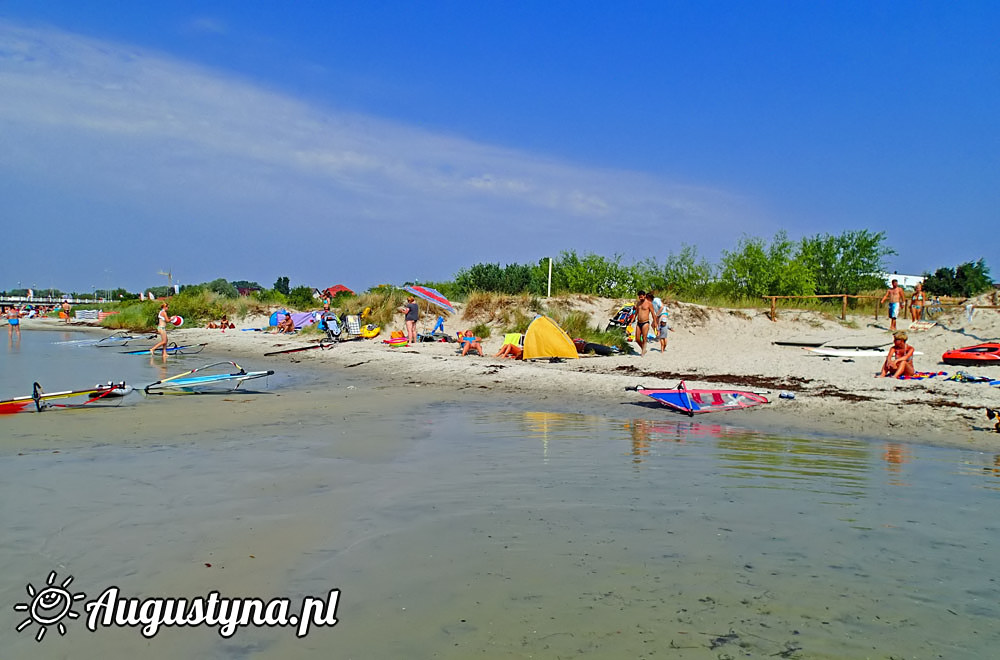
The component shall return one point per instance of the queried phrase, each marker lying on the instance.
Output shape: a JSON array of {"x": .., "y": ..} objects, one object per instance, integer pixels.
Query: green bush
[
  {"x": 684, "y": 274},
  {"x": 967, "y": 280},
  {"x": 270, "y": 297},
  {"x": 223, "y": 288},
  {"x": 198, "y": 306},
  {"x": 301, "y": 298},
  {"x": 848, "y": 263},
  {"x": 492, "y": 278},
  {"x": 756, "y": 269}
]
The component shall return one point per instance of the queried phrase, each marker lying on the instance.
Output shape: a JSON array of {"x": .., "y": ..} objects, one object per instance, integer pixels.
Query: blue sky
[{"x": 392, "y": 141}]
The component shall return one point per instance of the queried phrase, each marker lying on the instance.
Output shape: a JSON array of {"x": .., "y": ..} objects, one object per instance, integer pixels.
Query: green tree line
[{"x": 850, "y": 263}]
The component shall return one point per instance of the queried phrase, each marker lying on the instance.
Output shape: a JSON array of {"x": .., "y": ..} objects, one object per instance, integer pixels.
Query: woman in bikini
[
  {"x": 899, "y": 361},
  {"x": 917, "y": 303},
  {"x": 161, "y": 327},
  {"x": 470, "y": 342}
]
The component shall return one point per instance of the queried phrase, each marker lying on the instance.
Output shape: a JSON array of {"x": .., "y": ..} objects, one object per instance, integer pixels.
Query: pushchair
[
  {"x": 348, "y": 326},
  {"x": 332, "y": 325},
  {"x": 621, "y": 320}
]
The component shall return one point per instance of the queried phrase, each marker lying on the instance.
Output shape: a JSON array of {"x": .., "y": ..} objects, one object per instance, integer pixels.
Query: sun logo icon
[{"x": 49, "y": 606}]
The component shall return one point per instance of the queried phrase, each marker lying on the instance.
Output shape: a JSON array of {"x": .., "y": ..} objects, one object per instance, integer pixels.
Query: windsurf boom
[
  {"x": 172, "y": 349},
  {"x": 227, "y": 380},
  {"x": 42, "y": 399}
]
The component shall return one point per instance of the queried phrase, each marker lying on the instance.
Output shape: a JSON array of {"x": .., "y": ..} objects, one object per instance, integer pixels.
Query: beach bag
[{"x": 396, "y": 334}]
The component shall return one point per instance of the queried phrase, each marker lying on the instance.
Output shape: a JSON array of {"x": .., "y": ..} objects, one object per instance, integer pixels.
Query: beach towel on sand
[
  {"x": 964, "y": 377},
  {"x": 920, "y": 375}
]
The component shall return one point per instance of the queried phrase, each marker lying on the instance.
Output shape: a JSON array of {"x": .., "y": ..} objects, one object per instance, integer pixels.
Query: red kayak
[{"x": 973, "y": 356}]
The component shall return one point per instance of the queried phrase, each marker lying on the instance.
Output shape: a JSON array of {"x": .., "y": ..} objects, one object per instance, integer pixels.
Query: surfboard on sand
[
  {"x": 802, "y": 341},
  {"x": 850, "y": 342},
  {"x": 850, "y": 352}
]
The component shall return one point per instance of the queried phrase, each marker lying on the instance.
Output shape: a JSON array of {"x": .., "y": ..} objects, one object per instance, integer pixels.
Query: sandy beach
[{"x": 708, "y": 347}]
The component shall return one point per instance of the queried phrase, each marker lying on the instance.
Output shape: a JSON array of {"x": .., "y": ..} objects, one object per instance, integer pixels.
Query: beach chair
[
  {"x": 352, "y": 324},
  {"x": 513, "y": 338}
]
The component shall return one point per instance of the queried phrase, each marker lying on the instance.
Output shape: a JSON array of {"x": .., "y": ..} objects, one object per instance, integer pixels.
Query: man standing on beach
[
  {"x": 895, "y": 297},
  {"x": 65, "y": 309},
  {"x": 643, "y": 316}
]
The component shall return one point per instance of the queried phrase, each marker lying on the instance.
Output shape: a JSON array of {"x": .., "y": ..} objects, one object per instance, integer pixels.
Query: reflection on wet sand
[
  {"x": 544, "y": 425},
  {"x": 645, "y": 432},
  {"x": 895, "y": 456},
  {"x": 837, "y": 466},
  {"x": 756, "y": 460}
]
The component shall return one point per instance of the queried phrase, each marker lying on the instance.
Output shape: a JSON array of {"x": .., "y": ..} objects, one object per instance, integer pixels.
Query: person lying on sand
[
  {"x": 470, "y": 342},
  {"x": 899, "y": 361},
  {"x": 512, "y": 351},
  {"x": 223, "y": 323}
]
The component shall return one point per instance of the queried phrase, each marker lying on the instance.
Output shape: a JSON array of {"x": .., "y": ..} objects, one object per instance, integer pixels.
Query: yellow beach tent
[{"x": 545, "y": 339}]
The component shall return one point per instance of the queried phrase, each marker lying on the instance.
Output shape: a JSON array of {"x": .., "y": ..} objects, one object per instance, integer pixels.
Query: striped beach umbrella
[{"x": 431, "y": 296}]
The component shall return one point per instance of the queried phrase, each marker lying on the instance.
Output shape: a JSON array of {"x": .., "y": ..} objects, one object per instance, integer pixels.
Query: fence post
[
  {"x": 774, "y": 312},
  {"x": 843, "y": 309}
]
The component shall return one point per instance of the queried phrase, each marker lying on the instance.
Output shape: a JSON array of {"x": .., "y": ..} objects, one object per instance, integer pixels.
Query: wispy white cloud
[
  {"x": 207, "y": 25},
  {"x": 203, "y": 151}
]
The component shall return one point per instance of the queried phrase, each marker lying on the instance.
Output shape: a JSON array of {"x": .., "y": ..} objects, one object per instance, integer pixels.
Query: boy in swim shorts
[{"x": 664, "y": 327}]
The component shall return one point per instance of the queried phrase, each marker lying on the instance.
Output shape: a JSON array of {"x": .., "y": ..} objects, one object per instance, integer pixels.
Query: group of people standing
[
  {"x": 896, "y": 296},
  {"x": 650, "y": 312},
  {"x": 14, "y": 314}
]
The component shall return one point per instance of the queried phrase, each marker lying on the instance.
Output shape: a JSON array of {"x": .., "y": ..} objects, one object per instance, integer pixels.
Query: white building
[{"x": 907, "y": 281}]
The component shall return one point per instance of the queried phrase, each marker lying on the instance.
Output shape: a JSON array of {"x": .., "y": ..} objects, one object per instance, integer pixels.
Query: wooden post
[
  {"x": 774, "y": 311},
  {"x": 843, "y": 308}
]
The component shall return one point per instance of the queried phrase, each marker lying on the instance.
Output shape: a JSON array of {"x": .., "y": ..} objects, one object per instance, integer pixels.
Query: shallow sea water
[{"x": 471, "y": 528}]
